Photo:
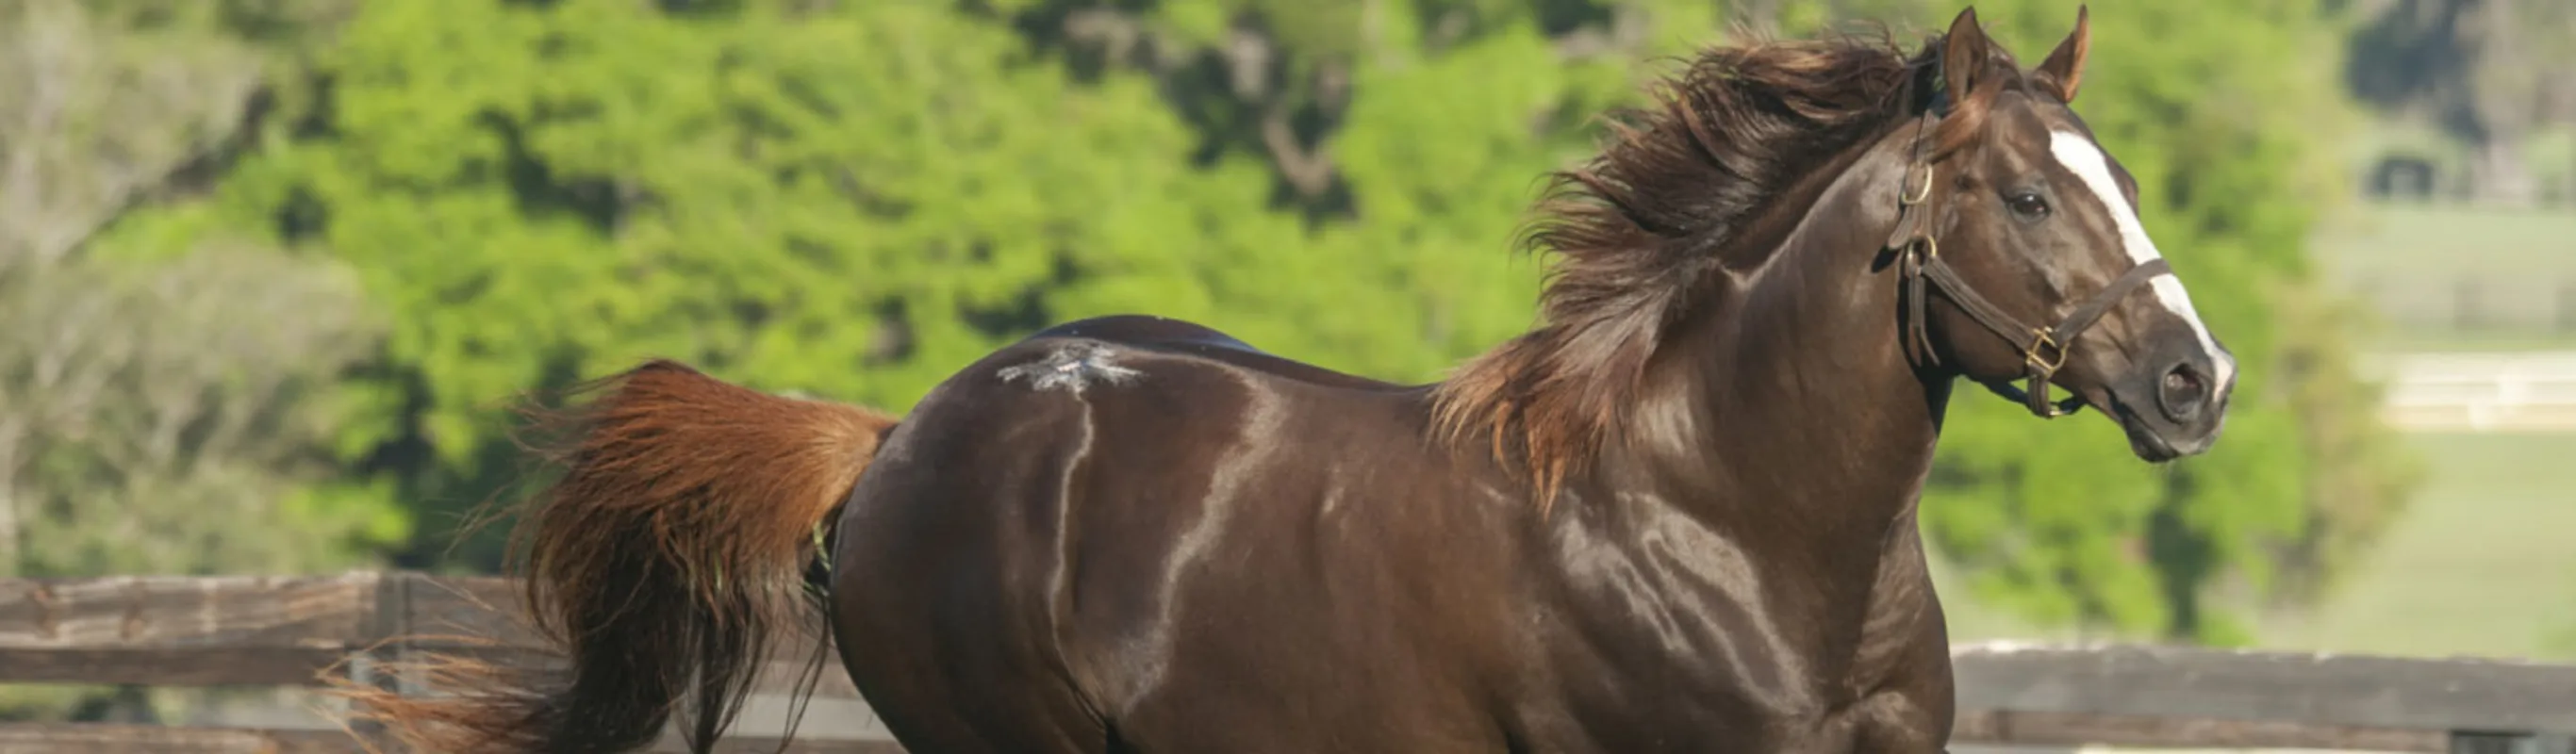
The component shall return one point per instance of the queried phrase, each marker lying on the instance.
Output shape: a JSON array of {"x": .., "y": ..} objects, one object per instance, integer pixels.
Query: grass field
[
  {"x": 2437, "y": 238},
  {"x": 2484, "y": 560},
  {"x": 2482, "y": 563},
  {"x": 2417, "y": 264}
]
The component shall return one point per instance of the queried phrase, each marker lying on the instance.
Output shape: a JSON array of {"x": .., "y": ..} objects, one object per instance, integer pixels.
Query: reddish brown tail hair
[{"x": 662, "y": 564}]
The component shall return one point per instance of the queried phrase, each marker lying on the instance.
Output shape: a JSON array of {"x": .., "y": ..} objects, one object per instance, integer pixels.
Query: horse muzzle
[{"x": 2173, "y": 403}]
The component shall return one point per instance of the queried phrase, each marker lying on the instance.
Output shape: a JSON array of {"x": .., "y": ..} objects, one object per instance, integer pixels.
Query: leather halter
[{"x": 2043, "y": 349}]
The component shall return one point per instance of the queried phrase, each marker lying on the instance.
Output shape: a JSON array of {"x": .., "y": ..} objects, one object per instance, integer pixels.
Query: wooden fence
[
  {"x": 232, "y": 630},
  {"x": 2480, "y": 392}
]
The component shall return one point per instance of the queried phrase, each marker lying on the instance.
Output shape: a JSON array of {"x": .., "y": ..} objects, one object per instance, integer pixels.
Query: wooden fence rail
[
  {"x": 2480, "y": 392},
  {"x": 239, "y": 630}
]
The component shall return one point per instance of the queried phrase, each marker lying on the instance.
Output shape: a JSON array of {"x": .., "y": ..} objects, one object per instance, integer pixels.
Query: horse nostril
[
  {"x": 2184, "y": 390},
  {"x": 2180, "y": 380}
]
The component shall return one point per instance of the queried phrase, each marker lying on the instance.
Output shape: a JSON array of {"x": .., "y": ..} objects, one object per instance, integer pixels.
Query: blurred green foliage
[{"x": 853, "y": 199}]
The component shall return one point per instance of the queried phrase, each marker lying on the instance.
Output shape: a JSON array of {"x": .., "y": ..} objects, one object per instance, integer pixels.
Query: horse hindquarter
[{"x": 1191, "y": 556}]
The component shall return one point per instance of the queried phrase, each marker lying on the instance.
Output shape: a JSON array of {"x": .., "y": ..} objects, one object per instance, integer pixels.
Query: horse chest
[
  {"x": 1720, "y": 649},
  {"x": 1739, "y": 716}
]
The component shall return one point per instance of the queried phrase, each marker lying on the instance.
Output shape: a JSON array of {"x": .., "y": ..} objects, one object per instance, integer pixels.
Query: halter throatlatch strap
[{"x": 2043, "y": 349}]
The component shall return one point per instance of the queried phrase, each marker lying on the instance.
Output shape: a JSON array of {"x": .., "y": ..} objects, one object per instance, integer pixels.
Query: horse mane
[{"x": 1634, "y": 233}]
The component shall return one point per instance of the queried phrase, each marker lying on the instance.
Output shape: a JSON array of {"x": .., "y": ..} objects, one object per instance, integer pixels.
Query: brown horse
[{"x": 1678, "y": 515}]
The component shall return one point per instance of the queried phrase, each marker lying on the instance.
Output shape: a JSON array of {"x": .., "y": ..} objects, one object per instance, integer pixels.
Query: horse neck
[{"x": 1790, "y": 409}]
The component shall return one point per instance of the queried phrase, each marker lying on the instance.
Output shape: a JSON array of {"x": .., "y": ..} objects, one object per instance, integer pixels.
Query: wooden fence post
[{"x": 381, "y": 646}]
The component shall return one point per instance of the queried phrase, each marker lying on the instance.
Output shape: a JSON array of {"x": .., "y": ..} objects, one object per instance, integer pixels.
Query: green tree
[
  {"x": 161, "y": 389},
  {"x": 2485, "y": 73},
  {"x": 540, "y": 192},
  {"x": 156, "y": 408},
  {"x": 853, "y": 199}
]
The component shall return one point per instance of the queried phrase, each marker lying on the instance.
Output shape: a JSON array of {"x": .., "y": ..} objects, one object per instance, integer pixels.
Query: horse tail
[{"x": 662, "y": 562}]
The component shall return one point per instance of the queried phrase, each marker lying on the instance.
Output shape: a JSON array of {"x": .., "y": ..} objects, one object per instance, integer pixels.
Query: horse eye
[{"x": 2028, "y": 205}]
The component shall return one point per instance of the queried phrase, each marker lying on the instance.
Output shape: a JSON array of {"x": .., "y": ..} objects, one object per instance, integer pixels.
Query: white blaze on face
[{"x": 2083, "y": 158}]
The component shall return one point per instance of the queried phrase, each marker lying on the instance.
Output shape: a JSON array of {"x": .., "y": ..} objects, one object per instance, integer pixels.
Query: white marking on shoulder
[
  {"x": 1071, "y": 368},
  {"x": 2085, "y": 159}
]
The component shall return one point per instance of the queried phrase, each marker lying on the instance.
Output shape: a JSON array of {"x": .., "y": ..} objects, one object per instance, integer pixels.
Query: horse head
[{"x": 2026, "y": 233}]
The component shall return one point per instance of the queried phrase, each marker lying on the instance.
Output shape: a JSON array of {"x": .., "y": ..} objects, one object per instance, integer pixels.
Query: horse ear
[
  {"x": 1964, "y": 52},
  {"x": 2064, "y": 67}
]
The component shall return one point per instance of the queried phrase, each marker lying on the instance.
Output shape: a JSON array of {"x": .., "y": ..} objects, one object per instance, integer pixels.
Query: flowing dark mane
[{"x": 1635, "y": 232}]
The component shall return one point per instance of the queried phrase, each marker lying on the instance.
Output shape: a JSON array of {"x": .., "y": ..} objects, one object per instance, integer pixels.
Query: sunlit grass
[
  {"x": 2481, "y": 563},
  {"x": 2445, "y": 277}
]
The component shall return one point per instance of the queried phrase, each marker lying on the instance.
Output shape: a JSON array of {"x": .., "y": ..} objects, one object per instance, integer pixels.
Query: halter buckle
[{"x": 2031, "y": 355}]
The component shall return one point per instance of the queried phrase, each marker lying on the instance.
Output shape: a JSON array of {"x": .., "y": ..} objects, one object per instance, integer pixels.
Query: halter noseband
[{"x": 2043, "y": 350}]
